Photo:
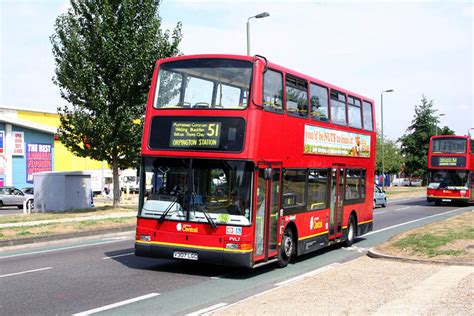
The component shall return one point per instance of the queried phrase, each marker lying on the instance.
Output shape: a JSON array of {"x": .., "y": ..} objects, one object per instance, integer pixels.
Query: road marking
[
  {"x": 118, "y": 304},
  {"x": 380, "y": 212},
  {"x": 308, "y": 274},
  {"x": 403, "y": 208},
  {"x": 117, "y": 256},
  {"x": 23, "y": 272},
  {"x": 413, "y": 221},
  {"x": 62, "y": 248},
  {"x": 207, "y": 309}
]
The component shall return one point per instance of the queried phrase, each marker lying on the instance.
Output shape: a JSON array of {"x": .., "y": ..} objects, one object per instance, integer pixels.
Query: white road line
[
  {"x": 308, "y": 274},
  {"x": 117, "y": 256},
  {"x": 207, "y": 309},
  {"x": 402, "y": 208},
  {"x": 416, "y": 220},
  {"x": 118, "y": 304},
  {"x": 23, "y": 272},
  {"x": 62, "y": 248},
  {"x": 380, "y": 212}
]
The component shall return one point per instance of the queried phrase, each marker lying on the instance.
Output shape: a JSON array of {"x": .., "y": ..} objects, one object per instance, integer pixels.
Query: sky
[{"x": 415, "y": 48}]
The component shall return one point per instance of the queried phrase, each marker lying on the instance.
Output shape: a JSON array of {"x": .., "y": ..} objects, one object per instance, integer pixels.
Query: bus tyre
[
  {"x": 286, "y": 248},
  {"x": 350, "y": 232}
]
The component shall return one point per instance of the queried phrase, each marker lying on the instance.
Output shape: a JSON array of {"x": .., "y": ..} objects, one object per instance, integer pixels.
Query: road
[
  {"x": 10, "y": 210},
  {"x": 104, "y": 276}
]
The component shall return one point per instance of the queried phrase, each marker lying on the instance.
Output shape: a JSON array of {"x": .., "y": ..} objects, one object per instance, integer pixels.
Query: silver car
[
  {"x": 11, "y": 196},
  {"x": 380, "y": 199}
]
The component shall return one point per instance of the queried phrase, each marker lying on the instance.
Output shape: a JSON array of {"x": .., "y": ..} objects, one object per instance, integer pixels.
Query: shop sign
[
  {"x": 38, "y": 159},
  {"x": 18, "y": 144},
  {"x": 3, "y": 164},
  {"x": 325, "y": 141},
  {"x": 2, "y": 141}
]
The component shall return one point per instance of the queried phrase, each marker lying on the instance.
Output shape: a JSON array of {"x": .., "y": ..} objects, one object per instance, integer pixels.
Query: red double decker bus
[
  {"x": 245, "y": 162},
  {"x": 450, "y": 169}
]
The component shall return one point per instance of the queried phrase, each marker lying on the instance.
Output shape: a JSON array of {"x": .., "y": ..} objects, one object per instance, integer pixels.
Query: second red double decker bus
[
  {"x": 245, "y": 162},
  {"x": 450, "y": 169}
]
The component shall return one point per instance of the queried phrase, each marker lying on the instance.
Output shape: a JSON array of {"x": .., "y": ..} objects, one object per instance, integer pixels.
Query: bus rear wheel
[
  {"x": 286, "y": 248},
  {"x": 350, "y": 232}
]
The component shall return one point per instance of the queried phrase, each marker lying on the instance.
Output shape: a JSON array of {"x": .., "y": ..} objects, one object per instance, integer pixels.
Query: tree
[
  {"x": 105, "y": 52},
  {"x": 415, "y": 142},
  {"x": 393, "y": 160}
]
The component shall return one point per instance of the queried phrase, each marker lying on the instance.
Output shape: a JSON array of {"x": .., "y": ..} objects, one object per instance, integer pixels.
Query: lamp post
[
  {"x": 258, "y": 16},
  {"x": 441, "y": 114},
  {"x": 383, "y": 153}
]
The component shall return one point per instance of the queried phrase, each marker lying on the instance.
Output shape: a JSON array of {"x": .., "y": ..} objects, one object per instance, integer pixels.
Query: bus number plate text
[{"x": 185, "y": 255}]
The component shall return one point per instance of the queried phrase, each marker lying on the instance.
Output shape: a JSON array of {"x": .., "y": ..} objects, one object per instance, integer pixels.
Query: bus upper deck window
[{"x": 273, "y": 91}]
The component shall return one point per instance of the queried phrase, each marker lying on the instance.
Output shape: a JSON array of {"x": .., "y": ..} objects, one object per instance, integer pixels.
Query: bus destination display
[
  {"x": 195, "y": 134},
  {"x": 457, "y": 161}
]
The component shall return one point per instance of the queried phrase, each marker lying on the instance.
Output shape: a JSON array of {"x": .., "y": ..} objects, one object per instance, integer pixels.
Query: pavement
[{"x": 367, "y": 286}]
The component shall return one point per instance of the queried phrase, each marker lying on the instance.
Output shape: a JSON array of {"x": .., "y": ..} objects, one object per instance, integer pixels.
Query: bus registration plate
[
  {"x": 185, "y": 255},
  {"x": 446, "y": 200}
]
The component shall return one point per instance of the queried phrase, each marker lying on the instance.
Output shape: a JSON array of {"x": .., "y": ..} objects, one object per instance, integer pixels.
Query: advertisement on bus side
[{"x": 325, "y": 141}]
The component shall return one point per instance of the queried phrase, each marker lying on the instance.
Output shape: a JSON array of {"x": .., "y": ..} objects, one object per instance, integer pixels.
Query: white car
[
  {"x": 380, "y": 199},
  {"x": 401, "y": 182},
  {"x": 11, "y": 196}
]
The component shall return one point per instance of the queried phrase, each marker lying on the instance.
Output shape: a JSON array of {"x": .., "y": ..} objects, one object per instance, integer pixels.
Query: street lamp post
[
  {"x": 258, "y": 16},
  {"x": 383, "y": 153},
  {"x": 441, "y": 114}
]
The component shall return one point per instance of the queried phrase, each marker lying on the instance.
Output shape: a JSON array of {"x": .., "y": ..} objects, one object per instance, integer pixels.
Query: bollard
[{"x": 25, "y": 205}]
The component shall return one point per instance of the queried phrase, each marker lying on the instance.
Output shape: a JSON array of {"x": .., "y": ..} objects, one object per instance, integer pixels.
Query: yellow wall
[{"x": 63, "y": 159}]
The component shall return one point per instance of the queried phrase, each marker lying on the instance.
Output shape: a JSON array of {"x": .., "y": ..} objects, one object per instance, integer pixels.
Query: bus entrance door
[
  {"x": 337, "y": 200},
  {"x": 267, "y": 211}
]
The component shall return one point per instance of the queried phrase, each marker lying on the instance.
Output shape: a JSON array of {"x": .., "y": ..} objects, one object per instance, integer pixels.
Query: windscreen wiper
[
  {"x": 162, "y": 217},
  {"x": 203, "y": 209}
]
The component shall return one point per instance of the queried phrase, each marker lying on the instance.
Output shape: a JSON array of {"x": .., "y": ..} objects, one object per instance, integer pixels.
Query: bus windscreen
[
  {"x": 191, "y": 189},
  {"x": 449, "y": 145}
]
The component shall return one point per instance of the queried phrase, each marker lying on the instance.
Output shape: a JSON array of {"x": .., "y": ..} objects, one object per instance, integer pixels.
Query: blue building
[{"x": 25, "y": 148}]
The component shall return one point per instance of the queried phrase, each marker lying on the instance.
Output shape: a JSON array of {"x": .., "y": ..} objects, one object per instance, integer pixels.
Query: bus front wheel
[{"x": 286, "y": 248}]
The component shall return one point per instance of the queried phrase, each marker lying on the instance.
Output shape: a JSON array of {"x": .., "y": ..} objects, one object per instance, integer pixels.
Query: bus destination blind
[
  {"x": 195, "y": 134},
  {"x": 458, "y": 161}
]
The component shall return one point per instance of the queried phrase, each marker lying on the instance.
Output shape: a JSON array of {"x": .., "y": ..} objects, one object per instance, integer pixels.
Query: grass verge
[
  {"x": 451, "y": 239},
  {"x": 404, "y": 192}
]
